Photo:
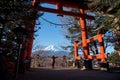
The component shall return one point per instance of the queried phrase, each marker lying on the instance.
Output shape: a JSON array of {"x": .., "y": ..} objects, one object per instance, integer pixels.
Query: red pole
[
  {"x": 31, "y": 29},
  {"x": 29, "y": 47},
  {"x": 102, "y": 50},
  {"x": 84, "y": 35},
  {"x": 59, "y": 7},
  {"x": 76, "y": 56}
]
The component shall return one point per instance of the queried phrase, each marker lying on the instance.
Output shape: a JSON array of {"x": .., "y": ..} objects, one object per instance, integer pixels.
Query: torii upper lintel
[
  {"x": 68, "y": 3},
  {"x": 80, "y": 4}
]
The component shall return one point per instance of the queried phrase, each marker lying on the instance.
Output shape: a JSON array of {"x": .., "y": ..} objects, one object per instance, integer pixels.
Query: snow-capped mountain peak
[
  {"x": 53, "y": 50},
  {"x": 50, "y": 48}
]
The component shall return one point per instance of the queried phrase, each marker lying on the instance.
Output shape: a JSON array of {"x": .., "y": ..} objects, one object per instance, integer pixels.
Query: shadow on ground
[{"x": 67, "y": 74}]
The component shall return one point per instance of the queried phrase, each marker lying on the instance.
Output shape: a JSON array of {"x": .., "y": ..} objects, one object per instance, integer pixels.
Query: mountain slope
[{"x": 53, "y": 50}]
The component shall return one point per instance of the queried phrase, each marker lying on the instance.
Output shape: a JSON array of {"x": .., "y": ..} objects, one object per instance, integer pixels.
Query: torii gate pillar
[{"x": 84, "y": 35}]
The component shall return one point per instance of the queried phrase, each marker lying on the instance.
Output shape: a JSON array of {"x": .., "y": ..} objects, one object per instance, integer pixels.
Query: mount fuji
[
  {"x": 50, "y": 48},
  {"x": 53, "y": 50}
]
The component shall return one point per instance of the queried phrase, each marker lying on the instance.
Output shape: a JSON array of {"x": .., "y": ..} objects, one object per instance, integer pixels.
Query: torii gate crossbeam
[{"x": 66, "y": 3}]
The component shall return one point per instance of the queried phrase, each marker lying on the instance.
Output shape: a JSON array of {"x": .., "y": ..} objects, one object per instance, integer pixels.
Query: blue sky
[{"x": 50, "y": 34}]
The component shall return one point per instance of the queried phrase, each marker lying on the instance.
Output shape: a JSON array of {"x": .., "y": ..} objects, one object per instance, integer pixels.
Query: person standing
[{"x": 53, "y": 61}]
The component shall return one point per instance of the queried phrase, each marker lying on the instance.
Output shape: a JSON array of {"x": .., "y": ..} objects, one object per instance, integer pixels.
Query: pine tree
[{"x": 108, "y": 12}]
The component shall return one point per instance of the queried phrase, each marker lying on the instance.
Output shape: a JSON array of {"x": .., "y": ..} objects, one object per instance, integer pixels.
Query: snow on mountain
[
  {"x": 53, "y": 50},
  {"x": 50, "y": 48}
]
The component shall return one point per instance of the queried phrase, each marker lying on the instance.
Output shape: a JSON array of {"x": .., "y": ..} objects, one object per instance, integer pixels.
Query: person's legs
[{"x": 53, "y": 65}]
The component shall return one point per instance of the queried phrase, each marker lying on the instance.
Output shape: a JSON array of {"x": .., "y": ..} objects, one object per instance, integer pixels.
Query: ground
[{"x": 67, "y": 74}]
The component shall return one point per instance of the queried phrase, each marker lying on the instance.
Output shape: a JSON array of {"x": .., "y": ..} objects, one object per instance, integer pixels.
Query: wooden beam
[
  {"x": 68, "y": 3},
  {"x": 40, "y": 8},
  {"x": 92, "y": 39}
]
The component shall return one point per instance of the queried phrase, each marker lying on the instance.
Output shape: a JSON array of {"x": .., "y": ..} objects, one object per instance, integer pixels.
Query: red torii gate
[
  {"x": 82, "y": 5},
  {"x": 102, "y": 56}
]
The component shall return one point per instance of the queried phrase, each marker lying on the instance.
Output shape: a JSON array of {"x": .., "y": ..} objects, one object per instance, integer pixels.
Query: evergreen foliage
[
  {"x": 108, "y": 12},
  {"x": 15, "y": 13},
  {"x": 113, "y": 57}
]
